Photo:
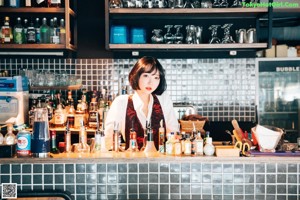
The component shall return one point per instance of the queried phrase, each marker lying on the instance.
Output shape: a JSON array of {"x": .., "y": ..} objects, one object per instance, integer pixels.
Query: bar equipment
[
  {"x": 14, "y": 98},
  {"x": 178, "y": 37},
  {"x": 216, "y": 4},
  {"x": 116, "y": 138},
  {"x": 150, "y": 146},
  {"x": 190, "y": 34},
  {"x": 145, "y": 137},
  {"x": 240, "y": 35},
  {"x": 133, "y": 146},
  {"x": 227, "y": 37},
  {"x": 157, "y": 38},
  {"x": 40, "y": 141},
  {"x": 214, "y": 34},
  {"x": 251, "y": 36},
  {"x": 169, "y": 37}
]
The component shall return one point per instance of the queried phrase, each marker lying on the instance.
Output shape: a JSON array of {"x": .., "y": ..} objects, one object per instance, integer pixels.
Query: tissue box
[{"x": 118, "y": 34}]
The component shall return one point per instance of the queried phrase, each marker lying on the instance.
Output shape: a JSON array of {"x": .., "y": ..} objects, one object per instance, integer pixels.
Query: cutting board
[{"x": 279, "y": 153}]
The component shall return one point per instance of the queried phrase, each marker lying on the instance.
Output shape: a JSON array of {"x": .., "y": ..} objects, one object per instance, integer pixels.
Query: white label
[{"x": 13, "y": 3}]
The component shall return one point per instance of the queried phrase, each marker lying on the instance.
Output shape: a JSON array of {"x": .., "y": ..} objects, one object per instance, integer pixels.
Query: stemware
[{"x": 157, "y": 38}]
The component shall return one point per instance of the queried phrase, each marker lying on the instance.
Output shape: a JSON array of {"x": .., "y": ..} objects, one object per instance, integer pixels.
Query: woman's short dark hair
[{"x": 147, "y": 64}]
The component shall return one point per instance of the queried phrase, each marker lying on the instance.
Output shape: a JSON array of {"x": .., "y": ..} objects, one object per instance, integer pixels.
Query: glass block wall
[{"x": 220, "y": 89}]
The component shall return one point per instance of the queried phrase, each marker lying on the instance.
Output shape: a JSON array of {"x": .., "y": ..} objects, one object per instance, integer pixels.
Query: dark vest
[{"x": 157, "y": 115}]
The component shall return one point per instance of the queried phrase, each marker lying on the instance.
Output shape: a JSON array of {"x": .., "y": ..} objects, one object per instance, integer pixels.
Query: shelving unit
[
  {"x": 68, "y": 13},
  {"x": 150, "y": 17},
  {"x": 69, "y": 87}
]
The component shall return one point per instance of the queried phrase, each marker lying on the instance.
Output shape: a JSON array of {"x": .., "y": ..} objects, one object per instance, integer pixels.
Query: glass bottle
[
  {"x": 1, "y": 138},
  {"x": 53, "y": 148},
  {"x": 182, "y": 141},
  {"x": 10, "y": 137},
  {"x": 68, "y": 138},
  {"x": 187, "y": 146},
  {"x": 14, "y": 3},
  {"x": 161, "y": 138},
  {"x": 25, "y": 28},
  {"x": 150, "y": 146},
  {"x": 62, "y": 32},
  {"x": 177, "y": 148},
  {"x": 18, "y": 29},
  {"x": 45, "y": 32},
  {"x": 51, "y": 31},
  {"x": 28, "y": 3},
  {"x": 198, "y": 145},
  {"x": 37, "y": 30},
  {"x": 31, "y": 34},
  {"x": 40, "y": 3},
  {"x": 209, "y": 148},
  {"x": 71, "y": 116},
  {"x": 54, "y": 3},
  {"x": 55, "y": 36},
  {"x": 133, "y": 146},
  {"x": 6, "y": 31},
  {"x": 170, "y": 144},
  {"x": 59, "y": 116}
]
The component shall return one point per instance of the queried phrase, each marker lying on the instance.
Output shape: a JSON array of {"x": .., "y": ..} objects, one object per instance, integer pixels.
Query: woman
[{"x": 149, "y": 103}]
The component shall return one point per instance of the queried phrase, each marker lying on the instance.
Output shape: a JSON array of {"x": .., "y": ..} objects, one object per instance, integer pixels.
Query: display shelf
[{"x": 68, "y": 87}]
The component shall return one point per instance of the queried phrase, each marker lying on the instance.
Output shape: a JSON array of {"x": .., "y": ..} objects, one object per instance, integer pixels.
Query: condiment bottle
[
  {"x": 198, "y": 145},
  {"x": 187, "y": 146},
  {"x": 209, "y": 148}
]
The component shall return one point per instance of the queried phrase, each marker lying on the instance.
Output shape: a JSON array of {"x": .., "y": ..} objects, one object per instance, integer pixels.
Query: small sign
[{"x": 9, "y": 191}]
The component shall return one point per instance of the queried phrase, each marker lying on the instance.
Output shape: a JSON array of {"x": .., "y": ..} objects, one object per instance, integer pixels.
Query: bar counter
[{"x": 153, "y": 176}]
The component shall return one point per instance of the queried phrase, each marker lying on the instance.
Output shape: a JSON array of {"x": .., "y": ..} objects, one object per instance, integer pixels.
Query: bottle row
[
  {"x": 31, "y": 3},
  {"x": 33, "y": 32}
]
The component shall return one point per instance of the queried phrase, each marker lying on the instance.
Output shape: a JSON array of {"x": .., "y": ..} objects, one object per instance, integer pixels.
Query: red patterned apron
[{"x": 157, "y": 115}]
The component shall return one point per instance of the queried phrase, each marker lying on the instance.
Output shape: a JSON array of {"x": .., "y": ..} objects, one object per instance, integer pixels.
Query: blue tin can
[{"x": 24, "y": 144}]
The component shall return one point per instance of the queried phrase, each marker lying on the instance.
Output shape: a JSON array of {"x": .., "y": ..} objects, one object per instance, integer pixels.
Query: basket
[{"x": 187, "y": 126}]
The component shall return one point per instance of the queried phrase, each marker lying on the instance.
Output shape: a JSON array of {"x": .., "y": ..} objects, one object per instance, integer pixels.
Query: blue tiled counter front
[{"x": 90, "y": 177}]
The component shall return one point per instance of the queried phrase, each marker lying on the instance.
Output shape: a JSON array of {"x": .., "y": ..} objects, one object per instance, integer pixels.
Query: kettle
[
  {"x": 40, "y": 141},
  {"x": 240, "y": 35},
  {"x": 251, "y": 35}
]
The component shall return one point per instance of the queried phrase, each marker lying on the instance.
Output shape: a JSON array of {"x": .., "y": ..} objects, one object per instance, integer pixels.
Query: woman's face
[{"x": 148, "y": 82}]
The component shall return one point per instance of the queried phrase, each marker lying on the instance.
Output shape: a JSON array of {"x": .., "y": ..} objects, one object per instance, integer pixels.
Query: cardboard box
[
  {"x": 270, "y": 53},
  {"x": 281, "y": 50}
]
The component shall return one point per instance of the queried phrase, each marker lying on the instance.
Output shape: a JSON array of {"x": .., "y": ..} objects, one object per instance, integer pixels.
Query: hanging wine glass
[
  {"x": 188, "y": 4},
  {"x": 227, "y": 37},
  {"x": 236, "y": 4},
  {"x": 214, "y": 34},
  {"x": 157, "y": 38},
  {"x": 206, "y": 4},
  {"x": 115, "y": 4},
  {"x": 169, "y": 37},
  {"x": 196, "y": 4}
]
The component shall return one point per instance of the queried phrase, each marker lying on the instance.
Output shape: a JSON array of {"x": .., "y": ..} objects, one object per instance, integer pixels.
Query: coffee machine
[{"x": 14, "y": 98}]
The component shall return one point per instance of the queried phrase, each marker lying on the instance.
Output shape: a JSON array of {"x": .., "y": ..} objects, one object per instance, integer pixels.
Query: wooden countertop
[{"x": 140, "y": 157}]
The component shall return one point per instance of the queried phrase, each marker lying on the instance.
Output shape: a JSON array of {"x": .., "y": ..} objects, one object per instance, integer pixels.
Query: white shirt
[{"x": 118, "y": 108}]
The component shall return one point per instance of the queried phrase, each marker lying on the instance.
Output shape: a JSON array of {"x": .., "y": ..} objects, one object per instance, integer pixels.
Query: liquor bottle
[
  {"x": 37, "y": 30},
  {"x": 116, "y": 135},
  {"x": 54, "y": 3},
  {"x": 170, "y": 144},
  {"x": 25, "y": 29},
  {"x": 55, "y": 36},
  {"x": 18, "y": 29},
  {"x": 51, "y": 31},
  {"x": 31, "y": 34},
  {"x": 54, "y": 148},
  {"x": 59, "y": 116},
  {"x": 28, "y": 3},
  {"x": 71, "y": 116},
  {"x": 68, "y": 138},
  {"x": 177, "y": 148},
  {"x": 62, "y": 32},
  {"x": 133, "y": 146},
  {"x": 45, "y": 32},
  {"x": 199, "y": 145},
  {"x": 6, "y": 31},
  {"x": 31, "y": 113},
  {"x": 187, "y": 146},
  {"x": 49, "y": 108},
  {"x": 14, "y": 3},
  {"x": 84, "y": 147},
  {"x": 40, "y": 3},
  {"x": 161, "y": 138}
]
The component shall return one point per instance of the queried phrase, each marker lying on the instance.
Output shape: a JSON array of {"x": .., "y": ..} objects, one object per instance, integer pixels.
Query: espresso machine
[{"x": 14, "y": 98}]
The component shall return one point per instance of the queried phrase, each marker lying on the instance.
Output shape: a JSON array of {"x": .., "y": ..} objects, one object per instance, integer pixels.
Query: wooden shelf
[
  {"x": 244, "y": 12},
  {"x": 32, "y": 10},
  {"x": 70, "y": 87},
  {"x": 34, "y": 46},
  {"x": 187, "y": 46}
]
